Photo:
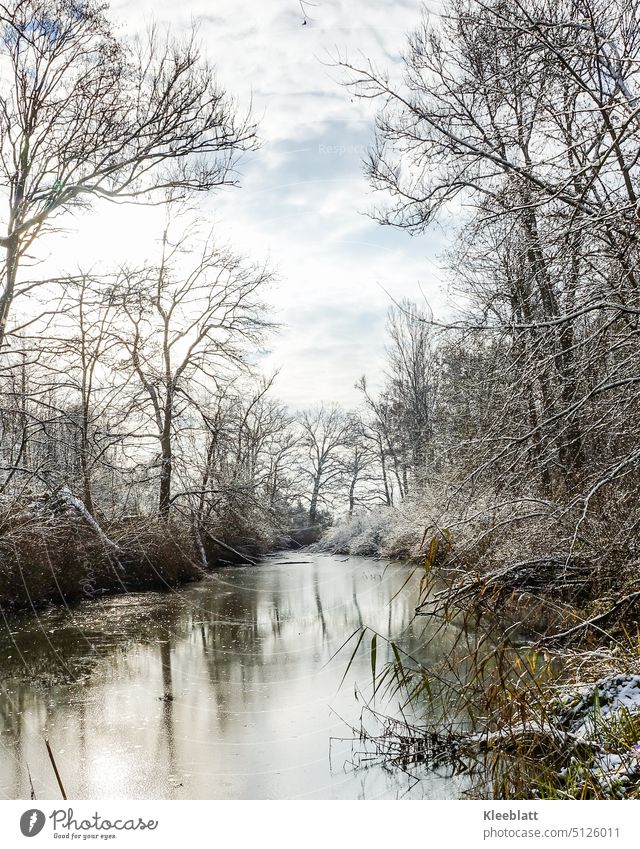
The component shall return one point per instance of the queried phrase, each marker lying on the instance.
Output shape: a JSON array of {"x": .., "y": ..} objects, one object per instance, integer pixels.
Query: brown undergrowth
[
  {"x": 52, "y": 552},
  {"x": 537, "y": 637}
]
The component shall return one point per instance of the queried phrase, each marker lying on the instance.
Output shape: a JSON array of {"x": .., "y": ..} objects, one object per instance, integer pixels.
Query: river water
[{"x": 224, "y": 689}]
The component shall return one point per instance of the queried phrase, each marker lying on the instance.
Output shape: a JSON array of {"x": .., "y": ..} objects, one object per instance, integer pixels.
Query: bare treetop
[{"x": 86, "y": 114}]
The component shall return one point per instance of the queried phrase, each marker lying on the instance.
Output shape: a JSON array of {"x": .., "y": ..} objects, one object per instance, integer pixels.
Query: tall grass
[
  {"x": 496, "y": 705},
  {"x": 44, "y": 562}
]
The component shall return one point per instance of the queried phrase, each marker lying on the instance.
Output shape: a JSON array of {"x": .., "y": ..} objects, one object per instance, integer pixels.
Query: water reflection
[{"x": 225, "y": 689}]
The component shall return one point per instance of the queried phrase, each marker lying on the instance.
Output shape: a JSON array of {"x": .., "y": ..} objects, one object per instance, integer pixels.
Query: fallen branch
[
  {"x": 589, "y": 623},
  {"x": 469, "y": 586},
  {"x": 230, "y": 548},
  {"x": 76, "y": 504}
]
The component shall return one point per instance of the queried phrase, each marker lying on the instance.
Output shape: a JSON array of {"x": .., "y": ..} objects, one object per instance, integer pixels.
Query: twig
[
  {"x": 55, "y": 769},
  {"x": 33, "y": 792},
  {"x": 589, "y": 622}
]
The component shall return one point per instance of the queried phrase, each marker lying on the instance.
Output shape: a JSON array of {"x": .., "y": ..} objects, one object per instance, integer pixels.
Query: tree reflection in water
[{"x": 224, "y": 689}]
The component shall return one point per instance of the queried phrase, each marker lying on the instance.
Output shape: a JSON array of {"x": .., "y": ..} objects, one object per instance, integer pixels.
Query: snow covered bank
[{"x": 606, "y": 716}]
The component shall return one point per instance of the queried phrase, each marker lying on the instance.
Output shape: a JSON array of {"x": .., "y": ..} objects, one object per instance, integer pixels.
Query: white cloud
[{"x": 303, "y": 195}]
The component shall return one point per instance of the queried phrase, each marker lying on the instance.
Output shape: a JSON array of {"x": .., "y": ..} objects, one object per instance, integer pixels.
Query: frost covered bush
[
  {"x": 245, "y": 526},
  {"x": 363, "y": 533},
  {"x": 404, "y": 535},
  {"x": 471, "y": 534},
  {"x": 402, "y": 531}
]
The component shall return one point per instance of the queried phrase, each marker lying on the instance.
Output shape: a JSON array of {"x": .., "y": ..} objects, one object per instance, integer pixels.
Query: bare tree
[
  {"x": 383, "y": 432},
  {"x": 191, "y": 321},
  {"x": 245, "y": 458},
  {"x": 360, "y": 457},
  {"x": 325, "y": 434},
  {"x": 86, "y": 115},
  {"x": 522, "y": 114},
  {"x": 412, "y": 376}
]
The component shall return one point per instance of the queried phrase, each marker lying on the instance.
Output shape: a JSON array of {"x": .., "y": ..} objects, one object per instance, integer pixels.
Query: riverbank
[
  {"x": 555, "y": 699},
  {"x": 53, "y": 552},
  {"x": 41, "y": 565},
  {"x": 529, "y": 566}
]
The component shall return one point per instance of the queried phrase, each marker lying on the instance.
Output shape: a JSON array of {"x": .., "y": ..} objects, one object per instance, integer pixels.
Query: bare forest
[{"x": 142, "y": 442}]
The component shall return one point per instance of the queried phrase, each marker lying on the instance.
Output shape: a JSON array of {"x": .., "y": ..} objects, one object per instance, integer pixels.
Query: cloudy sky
[{"x": 303, "y": 198}]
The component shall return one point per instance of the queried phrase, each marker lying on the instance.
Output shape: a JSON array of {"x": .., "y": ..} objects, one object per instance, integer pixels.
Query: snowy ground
[{"x": 607, "y": 715}]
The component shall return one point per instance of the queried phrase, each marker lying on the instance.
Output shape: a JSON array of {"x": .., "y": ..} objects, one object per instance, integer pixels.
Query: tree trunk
[
  {"x": 313, "y": 504},
  {"x": 166, "y": 459},
  {"x": 166, "y": 468},
  {"x": 87, "y": 495},
  {"x": 385, "y": 480},
  {"x": 352, "y": 495},
  {"x": 11, "y": 271}
]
